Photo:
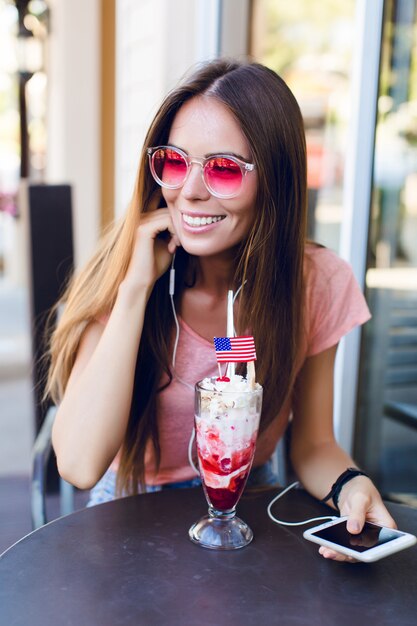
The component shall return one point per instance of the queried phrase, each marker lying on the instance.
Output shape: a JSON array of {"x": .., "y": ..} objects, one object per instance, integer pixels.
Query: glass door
[
  {"x": 386, "y": 429},
  {"x": 311, "y": 45}
]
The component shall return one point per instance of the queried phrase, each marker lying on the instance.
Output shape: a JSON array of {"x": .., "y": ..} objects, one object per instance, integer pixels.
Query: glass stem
[{"x": 224, "y": 515}]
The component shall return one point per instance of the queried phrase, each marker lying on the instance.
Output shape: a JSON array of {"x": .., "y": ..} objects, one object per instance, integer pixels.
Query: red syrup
[{"x": 224, "y": 499}]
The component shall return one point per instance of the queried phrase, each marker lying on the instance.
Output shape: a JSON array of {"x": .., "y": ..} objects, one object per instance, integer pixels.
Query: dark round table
[{"x": 130, "y": 562}]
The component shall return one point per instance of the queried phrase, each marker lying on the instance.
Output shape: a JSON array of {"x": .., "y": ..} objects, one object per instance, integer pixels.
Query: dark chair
[
  {"x": 40, "y": 456},
  {"x": 402, "y": 360},
  {"x": 402, "y": 412},
  {"x": 388, "y": 374},
  {"x": 47, "y": 210}
]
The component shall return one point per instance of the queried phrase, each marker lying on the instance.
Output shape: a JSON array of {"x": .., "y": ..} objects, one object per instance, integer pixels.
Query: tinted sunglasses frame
[{"x": 243, "y": 166}]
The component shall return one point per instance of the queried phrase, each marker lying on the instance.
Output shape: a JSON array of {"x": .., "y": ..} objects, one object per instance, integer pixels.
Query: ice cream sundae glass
[{"x": 227, "y": 414}]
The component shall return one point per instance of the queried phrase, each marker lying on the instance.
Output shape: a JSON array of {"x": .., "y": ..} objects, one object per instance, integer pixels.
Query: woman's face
[{"x": 203, "y": 126}]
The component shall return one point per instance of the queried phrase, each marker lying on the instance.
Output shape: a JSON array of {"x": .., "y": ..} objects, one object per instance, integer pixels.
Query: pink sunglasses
[{"x": 222, "y": 173}]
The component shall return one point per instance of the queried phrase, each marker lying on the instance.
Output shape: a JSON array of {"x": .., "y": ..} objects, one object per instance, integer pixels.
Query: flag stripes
[{"x": 235, "y": 349}]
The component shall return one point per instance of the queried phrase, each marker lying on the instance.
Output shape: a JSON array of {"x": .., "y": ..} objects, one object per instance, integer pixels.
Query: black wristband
[{"x": 344, "y": 478}]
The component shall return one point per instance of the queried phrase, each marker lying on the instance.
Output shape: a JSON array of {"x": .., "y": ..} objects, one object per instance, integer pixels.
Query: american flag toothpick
[{"x": 235, "y": 349}]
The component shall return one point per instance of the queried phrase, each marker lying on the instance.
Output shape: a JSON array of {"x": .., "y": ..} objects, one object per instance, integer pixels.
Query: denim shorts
[{"x": 260, "y": 477}]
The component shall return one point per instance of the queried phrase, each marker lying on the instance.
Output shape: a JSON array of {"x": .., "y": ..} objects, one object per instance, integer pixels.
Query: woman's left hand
[{"x": 361, "y": 502}]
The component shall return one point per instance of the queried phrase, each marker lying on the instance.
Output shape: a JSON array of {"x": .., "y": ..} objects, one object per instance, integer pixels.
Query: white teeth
[{"x": 201, "y": 221}]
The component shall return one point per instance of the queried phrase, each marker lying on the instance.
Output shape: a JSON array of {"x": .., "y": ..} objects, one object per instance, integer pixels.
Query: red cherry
[{"x": 223, "y": 379}]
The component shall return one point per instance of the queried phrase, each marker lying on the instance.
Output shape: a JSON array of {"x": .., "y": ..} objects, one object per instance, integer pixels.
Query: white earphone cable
[
  {"x": 282, "y": 522},
  {"x": 190, "y": 453},
  {"x": 238, "y": 291},
  {"x": 174, "y": 356}
]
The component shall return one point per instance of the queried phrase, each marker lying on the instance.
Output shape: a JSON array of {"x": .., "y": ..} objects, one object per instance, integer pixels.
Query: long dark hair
[{"x": 270, "y": 259}]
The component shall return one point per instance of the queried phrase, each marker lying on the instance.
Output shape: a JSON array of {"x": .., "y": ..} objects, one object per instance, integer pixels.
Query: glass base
[{"x": 221, "y": 533}]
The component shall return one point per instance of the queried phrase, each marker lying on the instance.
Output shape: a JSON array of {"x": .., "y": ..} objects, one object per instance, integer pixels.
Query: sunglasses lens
[
  {"x": 223, "y": 176},
  {"x": 169, "y": 166}
]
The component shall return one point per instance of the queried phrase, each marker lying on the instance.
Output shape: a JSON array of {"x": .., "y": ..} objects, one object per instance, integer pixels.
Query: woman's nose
[{"x": 194, "y": 187}]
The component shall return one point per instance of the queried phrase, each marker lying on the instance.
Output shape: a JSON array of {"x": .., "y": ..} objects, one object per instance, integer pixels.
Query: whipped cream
[
  {"x": 237, "y": 383},
  {"x": 220, "y": 397}
]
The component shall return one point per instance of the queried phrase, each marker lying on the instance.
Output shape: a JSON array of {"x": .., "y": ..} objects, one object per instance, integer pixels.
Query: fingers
[
  {"x": 332, "y": 555},
  {"x": 357, "y": 515},
  {"x": 173, "y": 244},
  {"x": 159, "y": 221},
  {"x": 156, "y": 242},
  {"x": 155, "y": 222},
  {"x": 380, "y": 515},
  {"x": 361, "y": 506}
]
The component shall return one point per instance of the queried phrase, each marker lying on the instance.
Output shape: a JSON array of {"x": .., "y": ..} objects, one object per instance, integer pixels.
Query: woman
[{"x": 222, "y": 184}]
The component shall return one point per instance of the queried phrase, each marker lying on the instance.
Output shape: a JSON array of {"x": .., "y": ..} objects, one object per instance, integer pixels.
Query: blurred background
[{"x": 79, "y": 85}]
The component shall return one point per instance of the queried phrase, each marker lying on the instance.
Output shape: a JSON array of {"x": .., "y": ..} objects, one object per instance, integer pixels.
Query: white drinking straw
[
  {"x": 250, "y": 373},
  {"x": 230, "y": 328}
]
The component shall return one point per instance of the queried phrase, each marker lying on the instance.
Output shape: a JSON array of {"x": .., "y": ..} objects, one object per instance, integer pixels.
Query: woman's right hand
[{"x": 152, "y": 254}]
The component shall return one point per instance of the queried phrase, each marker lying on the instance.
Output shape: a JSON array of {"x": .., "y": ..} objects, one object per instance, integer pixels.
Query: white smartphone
[{"x": 372, "y": 544}]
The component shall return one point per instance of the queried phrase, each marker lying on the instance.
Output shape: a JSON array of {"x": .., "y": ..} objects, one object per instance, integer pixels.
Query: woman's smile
[{"x": 198, "y": 222}]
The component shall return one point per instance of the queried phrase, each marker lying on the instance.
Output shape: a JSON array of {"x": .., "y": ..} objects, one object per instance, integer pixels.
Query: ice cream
[{"x": 227, "y": 420}]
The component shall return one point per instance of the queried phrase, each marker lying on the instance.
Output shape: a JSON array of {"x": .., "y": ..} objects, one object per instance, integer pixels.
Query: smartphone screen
[{"x": 370, "y": 537}]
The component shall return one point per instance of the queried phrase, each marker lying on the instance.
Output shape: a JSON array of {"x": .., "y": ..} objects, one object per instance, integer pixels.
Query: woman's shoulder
[
  {"x": 321, "y": 263},
  {"x": 334, "y": 302}
]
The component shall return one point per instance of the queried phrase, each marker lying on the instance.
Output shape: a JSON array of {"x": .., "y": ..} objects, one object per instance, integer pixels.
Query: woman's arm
[
  {"x": 92, "y": 418},
  {"x": 317, "y": 458}
]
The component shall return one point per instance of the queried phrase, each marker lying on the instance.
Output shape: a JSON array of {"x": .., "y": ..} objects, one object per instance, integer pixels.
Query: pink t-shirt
[{"x": 334, "y": 306}]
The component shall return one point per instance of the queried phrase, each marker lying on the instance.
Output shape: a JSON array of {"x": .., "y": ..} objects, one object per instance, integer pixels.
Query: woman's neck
[
  {"x": 215, "y": 274},
  {"x": 204, "y": 306}
]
